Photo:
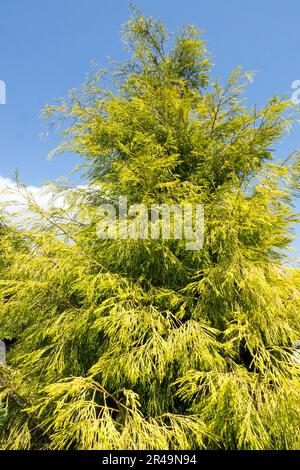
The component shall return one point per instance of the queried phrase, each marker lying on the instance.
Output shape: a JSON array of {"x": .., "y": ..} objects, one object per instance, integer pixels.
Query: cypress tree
[{"x": 141, "y": 343}]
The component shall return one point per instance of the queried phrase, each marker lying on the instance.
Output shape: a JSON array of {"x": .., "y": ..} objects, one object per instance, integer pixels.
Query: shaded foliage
[{"x": 141, "y": 344}]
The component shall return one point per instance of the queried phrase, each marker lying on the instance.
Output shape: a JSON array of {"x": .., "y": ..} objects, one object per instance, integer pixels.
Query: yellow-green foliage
[{"x": 141, "y": 344}]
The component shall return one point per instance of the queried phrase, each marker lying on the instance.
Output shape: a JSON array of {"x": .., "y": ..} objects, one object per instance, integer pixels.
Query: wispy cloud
[
  {"x": 11, "y": 198},
  {"x": 16, "y": 201}
]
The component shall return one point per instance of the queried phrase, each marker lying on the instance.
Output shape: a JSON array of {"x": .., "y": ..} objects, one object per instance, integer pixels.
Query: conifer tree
[{"x": 142, "y": 344}]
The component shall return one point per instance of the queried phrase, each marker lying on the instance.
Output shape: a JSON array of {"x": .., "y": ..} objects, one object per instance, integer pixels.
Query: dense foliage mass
[{"x": 142, "y": 344}]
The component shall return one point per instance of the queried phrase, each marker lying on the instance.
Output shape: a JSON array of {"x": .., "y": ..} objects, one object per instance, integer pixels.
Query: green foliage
[
  {"x": 141, "y": 344},
  {"x": 2, "y": 415}
]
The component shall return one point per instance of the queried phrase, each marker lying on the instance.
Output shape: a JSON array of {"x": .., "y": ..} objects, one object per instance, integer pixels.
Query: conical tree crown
[{"x": 140, "y": 343}]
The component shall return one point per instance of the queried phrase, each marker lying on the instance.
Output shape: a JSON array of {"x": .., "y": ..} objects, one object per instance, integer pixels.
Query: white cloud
[
  {"x": 14, "y": 201},
  {"x": 11, "y": 198}
]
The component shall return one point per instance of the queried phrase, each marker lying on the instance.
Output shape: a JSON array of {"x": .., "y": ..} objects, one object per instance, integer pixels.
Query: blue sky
[{"x": 46, "y": 48}]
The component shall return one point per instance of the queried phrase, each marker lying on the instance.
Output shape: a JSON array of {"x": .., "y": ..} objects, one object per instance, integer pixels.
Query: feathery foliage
[{"x": 141, "y": 344}]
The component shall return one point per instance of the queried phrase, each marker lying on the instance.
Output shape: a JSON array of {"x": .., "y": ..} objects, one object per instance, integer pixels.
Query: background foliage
[{"x": 141, "y": 344}]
